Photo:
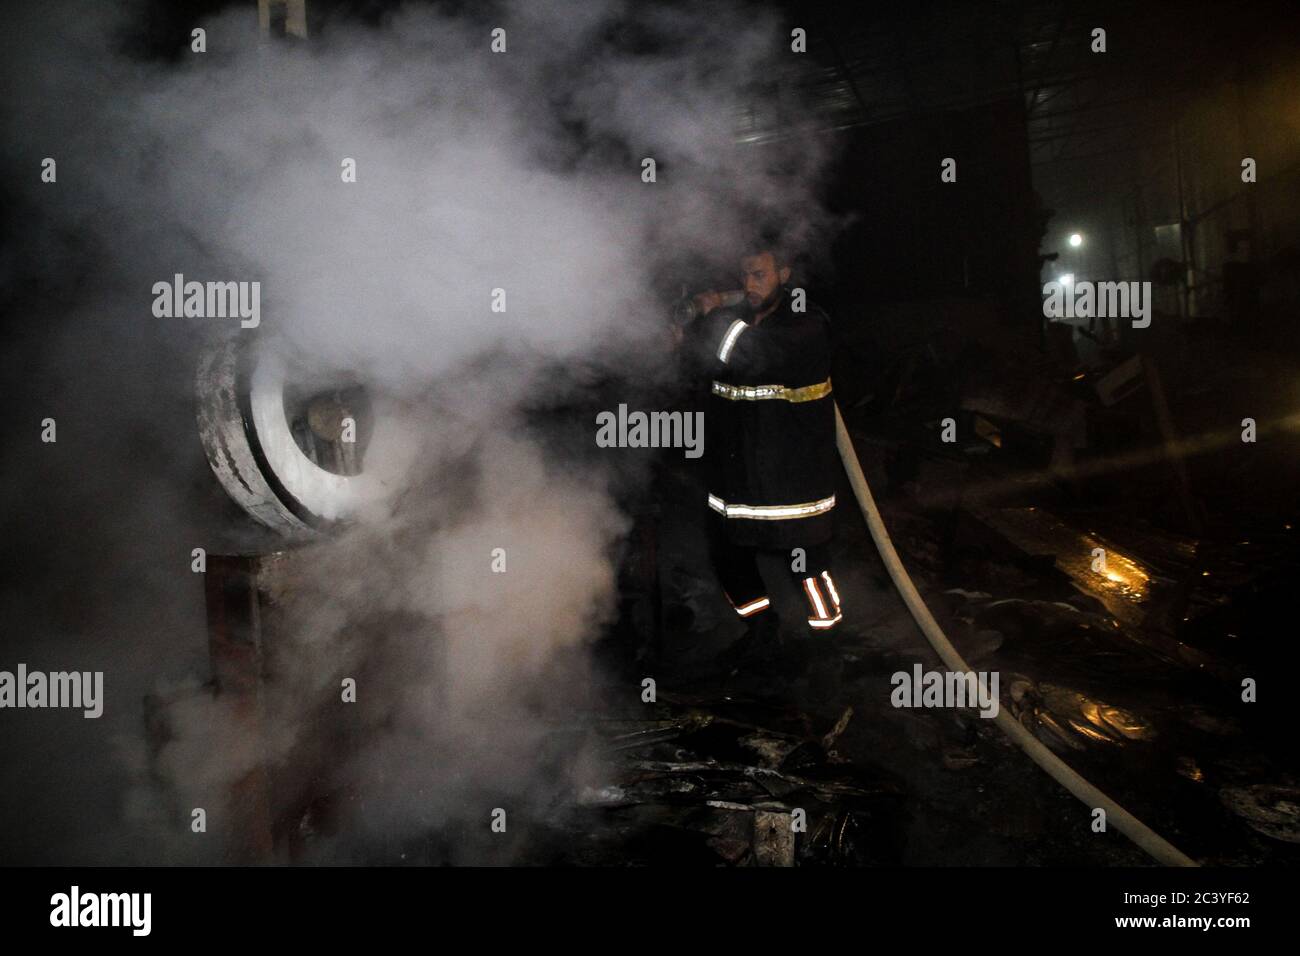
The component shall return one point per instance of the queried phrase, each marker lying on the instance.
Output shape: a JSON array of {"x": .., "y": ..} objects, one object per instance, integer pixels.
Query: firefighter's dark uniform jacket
[{"x": 769, "y": 430}]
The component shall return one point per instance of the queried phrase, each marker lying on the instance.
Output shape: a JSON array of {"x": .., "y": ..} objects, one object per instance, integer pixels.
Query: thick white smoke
[{"x": 475, "y": 171}]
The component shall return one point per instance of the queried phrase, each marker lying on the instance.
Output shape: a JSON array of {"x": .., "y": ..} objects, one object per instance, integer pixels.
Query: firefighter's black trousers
[{"x": 737, "y": 570}]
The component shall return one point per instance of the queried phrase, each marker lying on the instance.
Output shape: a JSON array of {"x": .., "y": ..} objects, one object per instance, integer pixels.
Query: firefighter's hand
[{"x": 706, "y": 302}]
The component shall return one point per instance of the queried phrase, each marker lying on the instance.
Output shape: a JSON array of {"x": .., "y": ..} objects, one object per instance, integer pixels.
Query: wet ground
[
  {"x": 1133, "y": 670},
  {"x": 1163, "y": 672}
]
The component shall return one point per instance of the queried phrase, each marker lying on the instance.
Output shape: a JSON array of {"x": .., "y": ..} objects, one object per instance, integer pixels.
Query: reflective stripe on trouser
[
  {"x": 752, "y": 607},
  {"x": 737, "y": 570},
  {"x": 738, "y": 574},
  {"x": 823, "y": 601}
]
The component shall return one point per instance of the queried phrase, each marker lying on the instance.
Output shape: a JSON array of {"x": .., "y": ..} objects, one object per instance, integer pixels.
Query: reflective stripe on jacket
[{"x": 769, "y": 445}]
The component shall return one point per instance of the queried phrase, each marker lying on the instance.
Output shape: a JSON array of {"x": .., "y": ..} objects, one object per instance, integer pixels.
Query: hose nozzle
[{"x": 688, "y": 310}]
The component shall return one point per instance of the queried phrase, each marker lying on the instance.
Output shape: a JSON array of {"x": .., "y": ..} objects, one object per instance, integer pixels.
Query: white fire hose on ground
[{"x": 1147, "y": 839}]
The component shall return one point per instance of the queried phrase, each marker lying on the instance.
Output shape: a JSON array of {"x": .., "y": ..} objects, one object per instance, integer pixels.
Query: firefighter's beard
[{"x": 759, "y": 306}]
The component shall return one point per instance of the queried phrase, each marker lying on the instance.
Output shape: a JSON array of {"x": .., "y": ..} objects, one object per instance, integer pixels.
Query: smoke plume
[{"x": 475, "y": 171}]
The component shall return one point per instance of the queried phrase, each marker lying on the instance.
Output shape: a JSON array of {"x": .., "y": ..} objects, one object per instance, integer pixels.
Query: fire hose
[
  {"x": 244, "y": 444},
  {"x": 1147, "y": 839}
]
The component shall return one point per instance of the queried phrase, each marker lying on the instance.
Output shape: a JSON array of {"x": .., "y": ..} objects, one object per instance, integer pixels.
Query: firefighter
[{"x": 769, "y": 445}]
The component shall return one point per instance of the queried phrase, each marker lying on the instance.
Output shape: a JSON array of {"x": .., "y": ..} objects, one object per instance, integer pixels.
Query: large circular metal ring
[{"x": 250, "y": 443}]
